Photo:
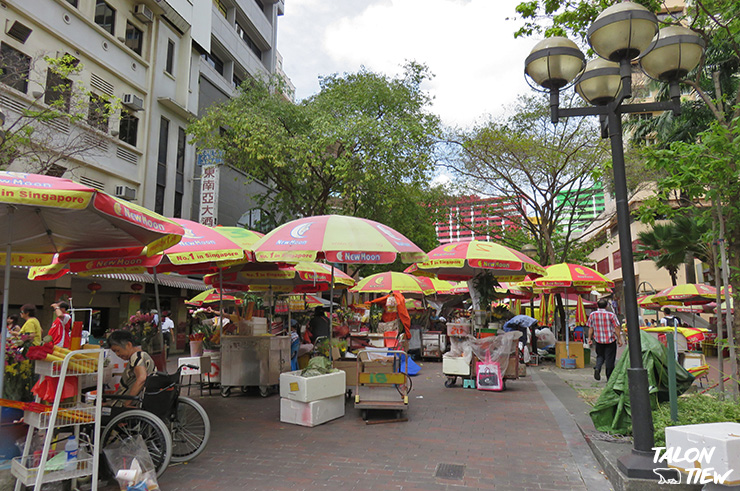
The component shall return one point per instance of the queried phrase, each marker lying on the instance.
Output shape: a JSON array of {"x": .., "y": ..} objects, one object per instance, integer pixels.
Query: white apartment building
[{"x": 135, "y": 52}]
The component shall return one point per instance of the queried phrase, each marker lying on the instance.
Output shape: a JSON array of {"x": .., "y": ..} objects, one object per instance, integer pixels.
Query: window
[
  {"x": 164, "y": 134},
  {"x": 214, "y": 61},
  {"x": 105, "y": 16},
  {"x": 58, "y": 91},
  {"x": 72, "y": 3},
  {"x": 220, "y": 6},
  {"x": 15, "y": 67},
  {"x": 134, "y": 38},
  {"x": 260, "y": 4},
  {"x": 164, "y": 130},
  {"x": 250, "y": 42},
  {"x": 128, "y": 128},
  {"x": 180, "y": 172},
  {"x": 97, "y": 114},
  {"x": 236, "y": 81},
  {"x": 169, "y": 65},
  {"x": 55, "y": 170}
]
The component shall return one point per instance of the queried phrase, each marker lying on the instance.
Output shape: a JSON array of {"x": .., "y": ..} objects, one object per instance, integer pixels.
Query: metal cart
[
  {"x": 456, "y": 367},
  {"x": 248, "y": 361},
  {"x": 380, "y": 383}
]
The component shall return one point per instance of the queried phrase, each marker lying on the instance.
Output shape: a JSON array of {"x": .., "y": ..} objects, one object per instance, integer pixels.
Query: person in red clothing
[
  {"x": 604, "y": 332},
  {"x": 61, "y": 328}
]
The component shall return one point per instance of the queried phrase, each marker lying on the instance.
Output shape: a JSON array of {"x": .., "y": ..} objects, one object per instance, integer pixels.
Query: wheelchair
[{"x": 175, "y": 428}]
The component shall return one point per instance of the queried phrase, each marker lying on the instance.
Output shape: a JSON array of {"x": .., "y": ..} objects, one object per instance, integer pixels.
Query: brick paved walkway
[{"x": 506, "y": 441}]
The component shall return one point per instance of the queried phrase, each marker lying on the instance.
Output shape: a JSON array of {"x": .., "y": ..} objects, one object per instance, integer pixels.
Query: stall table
[{"x": 248, "y": 361}]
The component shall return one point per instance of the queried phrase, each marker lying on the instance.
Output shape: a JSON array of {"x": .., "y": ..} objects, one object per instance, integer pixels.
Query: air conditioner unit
[
  {"x": 126, "y": 193},
  {"x": 133, "y": 102},
  {"x": 144, "y": 13}
]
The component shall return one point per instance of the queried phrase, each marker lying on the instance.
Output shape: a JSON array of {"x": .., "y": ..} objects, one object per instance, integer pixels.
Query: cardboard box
[
  {"x": 311, "y": 413},
  {"x": 307, "y": 389},
  {"x": 349, "y": 367},
  {"x": 575, "y": 349},
  {"x": 724, "y": 438},
  {"x": 378, "y": 366},
  {"x": 455, "y": 366}
]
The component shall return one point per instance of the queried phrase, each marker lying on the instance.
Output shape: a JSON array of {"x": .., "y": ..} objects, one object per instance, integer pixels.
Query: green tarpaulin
[{"x": 611, "y": 413}]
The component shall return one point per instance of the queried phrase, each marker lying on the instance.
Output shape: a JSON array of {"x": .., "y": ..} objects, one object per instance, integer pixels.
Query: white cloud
[{"x": 467, "y": 44}]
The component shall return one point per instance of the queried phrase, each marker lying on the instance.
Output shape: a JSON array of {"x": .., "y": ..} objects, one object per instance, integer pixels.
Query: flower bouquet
[{"x": 18, "y": 369}]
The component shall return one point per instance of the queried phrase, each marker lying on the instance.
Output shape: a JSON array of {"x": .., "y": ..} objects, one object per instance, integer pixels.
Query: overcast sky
[{"x": 468, "y": 45}]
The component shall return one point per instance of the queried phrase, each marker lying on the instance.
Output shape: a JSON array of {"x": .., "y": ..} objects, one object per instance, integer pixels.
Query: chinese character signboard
[{"x": 209, "y": 180}]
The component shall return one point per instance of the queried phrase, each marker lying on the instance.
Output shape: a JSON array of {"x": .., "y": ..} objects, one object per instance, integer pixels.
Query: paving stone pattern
[{"x": 506, "y": 441}]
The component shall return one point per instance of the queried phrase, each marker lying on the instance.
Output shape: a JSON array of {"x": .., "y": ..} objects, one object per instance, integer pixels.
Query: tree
[
  {"x": 704, "y": 168},
  {"x": 546, "y": 170},
  {"x": 41, "y": 134},
  {"x": 361, "y": 146},
  {"x": 659, "y": 244}
]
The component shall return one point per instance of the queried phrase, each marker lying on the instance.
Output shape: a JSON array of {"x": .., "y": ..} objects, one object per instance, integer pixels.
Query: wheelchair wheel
[
  {"x": 191, "y": 429},
  {"x": 153, "y": 431}
]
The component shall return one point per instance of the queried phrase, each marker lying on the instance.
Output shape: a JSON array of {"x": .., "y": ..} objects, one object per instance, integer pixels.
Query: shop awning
[{"x": 175, "y": 281}]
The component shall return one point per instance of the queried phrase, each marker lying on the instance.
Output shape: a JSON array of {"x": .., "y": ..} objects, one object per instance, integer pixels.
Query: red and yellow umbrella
[
  {"x": 581, "y": 318},
  {"x": 461, "y": 261},
  {"x": 303, "y": 277},
  {"x": 689, "y": 294},
  {"x": 565, "y": 277},
  {"x": 338, "y": 239},
  {"x": 43, "y": 216},
  {"x": 394, "y": 281},
  {"x": 212, "y": 296}
]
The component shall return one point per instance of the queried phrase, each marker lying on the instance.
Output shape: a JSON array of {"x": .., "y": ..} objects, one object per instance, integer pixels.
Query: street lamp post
[{"x": 620, "y": 34}]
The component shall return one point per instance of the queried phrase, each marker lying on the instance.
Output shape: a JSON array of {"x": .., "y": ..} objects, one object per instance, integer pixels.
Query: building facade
[
  {"x": 580, "y": 209},
  {"x": 473, "y": 217}
]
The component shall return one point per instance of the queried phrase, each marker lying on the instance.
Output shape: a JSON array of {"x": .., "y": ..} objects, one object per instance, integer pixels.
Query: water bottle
[{"x": 71, "y": 449}]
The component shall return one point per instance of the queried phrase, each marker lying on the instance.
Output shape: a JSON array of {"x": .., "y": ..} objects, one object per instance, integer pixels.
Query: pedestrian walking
[{"x": 604, "y": 331}]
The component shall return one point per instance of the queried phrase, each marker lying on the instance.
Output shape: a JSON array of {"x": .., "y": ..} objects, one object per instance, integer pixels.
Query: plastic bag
[
  {"x": 131, "y": 464},
  {"x": 545, "y": 337}
]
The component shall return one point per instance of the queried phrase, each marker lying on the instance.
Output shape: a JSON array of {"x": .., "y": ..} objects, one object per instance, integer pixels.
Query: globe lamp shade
[
  {"x": 622, "y": 31},
  {"x": 554, "y": 62},
  {"x": 674, "y": 52},
  {"x": 599, "y": 83}
]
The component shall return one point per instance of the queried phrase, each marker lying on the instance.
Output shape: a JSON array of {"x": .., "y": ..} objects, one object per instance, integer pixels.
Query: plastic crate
[
  {"x": 27, "y": 469},
  {"x": 66, "y": 416}
]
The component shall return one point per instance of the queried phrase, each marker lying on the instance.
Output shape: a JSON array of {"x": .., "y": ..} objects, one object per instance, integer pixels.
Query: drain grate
[{"x": 450, "y": 471}]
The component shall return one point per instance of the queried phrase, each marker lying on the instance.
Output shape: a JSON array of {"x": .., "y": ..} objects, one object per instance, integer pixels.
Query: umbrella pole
[
  {"x": 331, "y": 311},
  {"x": 6, "y": 291},
  {"x": 221, "y": 302},
  {"x": 159, "y": 313}
]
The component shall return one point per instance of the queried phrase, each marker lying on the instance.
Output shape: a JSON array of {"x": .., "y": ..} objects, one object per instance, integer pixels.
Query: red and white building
[{"x": 473, "y": 217}]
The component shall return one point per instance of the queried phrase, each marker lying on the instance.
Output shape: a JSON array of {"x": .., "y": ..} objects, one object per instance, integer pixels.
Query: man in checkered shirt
[{"x": 604, "y": 332}]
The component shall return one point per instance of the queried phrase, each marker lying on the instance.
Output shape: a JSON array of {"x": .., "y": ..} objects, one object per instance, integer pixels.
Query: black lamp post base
[{"x": 638, "y": 465}]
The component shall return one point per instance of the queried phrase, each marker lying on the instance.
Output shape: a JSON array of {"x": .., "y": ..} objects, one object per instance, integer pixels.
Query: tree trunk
[{"x": 690, "y": 269}]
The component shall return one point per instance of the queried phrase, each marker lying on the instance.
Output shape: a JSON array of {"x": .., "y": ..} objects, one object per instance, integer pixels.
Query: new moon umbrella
[
  {"x": 303, "y": 277},
  {"x": 212, "y": 296},
  {"x": 688, "y": 294},
  {"x": 393, "y": 281},
  {"x": 337, "y": 239},
  {"x": 461, "y": 261},
  {"x": 41, "y": 216}
]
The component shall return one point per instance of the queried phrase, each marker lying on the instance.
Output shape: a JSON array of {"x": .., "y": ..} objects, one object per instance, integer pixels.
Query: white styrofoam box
[
  {"x": 723, "y": 437},
  {"x": 259, "y": 325},
  {"x": 455, "y": 366},
  {"x": 458, "y": 328},
  {"x": 311, "y": 413},
  {"x": 306, "y": 389}
]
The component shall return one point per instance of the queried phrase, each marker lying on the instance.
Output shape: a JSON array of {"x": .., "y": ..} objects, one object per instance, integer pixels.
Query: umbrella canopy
[
  {"x": 301, "y": 277},
  {"x": 43, "y": 215},
  {"x": 689, "y": 294},
  {"x": 565, "y": 277},
  {"x": 212, "y": 296},
  {"x": 513, "y": 291},
  {"x": 338, "y": 239},
  {"x": 393, "y": 281},
  {"x": 442, "y": 287},
  {"x": 461, "y": 261},
  {"x": 581, "y": 318}
]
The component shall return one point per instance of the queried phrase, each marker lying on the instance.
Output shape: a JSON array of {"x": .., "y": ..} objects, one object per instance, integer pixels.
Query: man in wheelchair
[{"x": 140, "y": 365}]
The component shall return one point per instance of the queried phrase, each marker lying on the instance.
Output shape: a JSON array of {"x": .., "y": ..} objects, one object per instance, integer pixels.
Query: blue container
[
  {"x": 10, "y": 432},
  {"x": 567, "y": 363}
]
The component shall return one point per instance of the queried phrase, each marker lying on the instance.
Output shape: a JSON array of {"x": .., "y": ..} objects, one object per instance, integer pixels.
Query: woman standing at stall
[{"x": 32, "y": 325}]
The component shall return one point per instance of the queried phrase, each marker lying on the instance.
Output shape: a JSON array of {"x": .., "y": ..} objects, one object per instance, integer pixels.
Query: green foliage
[
  {"x": 694, "y": 409},
  {"x": 30, "y": 136},
  {"x": 363, "y": 146}
]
